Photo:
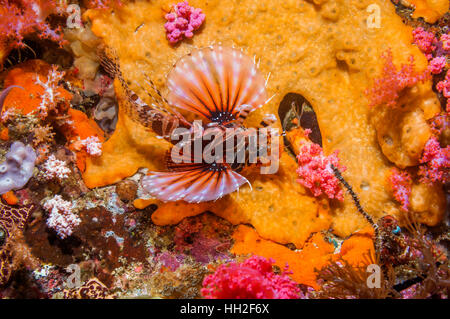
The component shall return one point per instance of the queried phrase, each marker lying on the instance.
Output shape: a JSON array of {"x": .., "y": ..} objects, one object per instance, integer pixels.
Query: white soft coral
[
  {"x": 49, "y": 98},
  {"x": 54, "y": 168},
  {"x": 93, "y": 145},
  {"x": 61, "y": 217}
]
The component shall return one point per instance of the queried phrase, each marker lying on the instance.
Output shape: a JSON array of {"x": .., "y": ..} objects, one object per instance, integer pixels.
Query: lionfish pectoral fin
[
  {"x": 214, "y": 82},
  {"x": 198, "y": 184},
  {"x": 158, "y": 116}
]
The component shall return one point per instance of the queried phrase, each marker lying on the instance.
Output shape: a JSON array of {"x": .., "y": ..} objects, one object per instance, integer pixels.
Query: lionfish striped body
[{"x": 222, "y": 86}]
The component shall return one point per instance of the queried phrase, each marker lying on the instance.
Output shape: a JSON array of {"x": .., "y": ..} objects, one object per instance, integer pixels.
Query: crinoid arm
[{"x": 360, "y": 209}]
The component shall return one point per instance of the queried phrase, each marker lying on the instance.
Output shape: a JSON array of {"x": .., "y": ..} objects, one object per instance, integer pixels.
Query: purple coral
[
  {"x": 183, "y": 22},
  {"x": 252, "y": 279}
]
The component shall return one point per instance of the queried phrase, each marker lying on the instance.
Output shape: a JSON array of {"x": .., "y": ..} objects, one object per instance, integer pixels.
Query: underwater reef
[{"x": 118, "y": 118}]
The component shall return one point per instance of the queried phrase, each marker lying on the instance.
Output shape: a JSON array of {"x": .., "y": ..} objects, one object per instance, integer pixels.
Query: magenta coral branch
[
  {"x": 445, "y": 39},
  {"x": 183, "y": 21},
  {"x": 387, "y": 88},
  {"x": 435, "y": 163},
  {"x": 426, "y": 41},
  {"x": 437, "y": 64},
  {"x": 252, "y": 279}
]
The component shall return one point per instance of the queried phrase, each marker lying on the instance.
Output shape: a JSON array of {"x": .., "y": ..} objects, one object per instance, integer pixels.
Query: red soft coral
[
  {"x": 315, "y": 171},
  {"x": 435, "y": 163},
  {"x": 252, "y": 279},
  {"x": 445, "y": 39},
  {"x": 21, "y": 18},
  {"x": 444, "y": 87},
  {"x": 386, "y": 89},
  {"x": 401, "y": 184}
]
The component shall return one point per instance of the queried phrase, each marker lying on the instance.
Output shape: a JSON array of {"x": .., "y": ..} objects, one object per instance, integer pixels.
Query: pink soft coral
[
  {"x": 426, "y": 41},
  {"x": 445, "y": 39},
  {"x": 437, "y": 64},
  {"x": 315, "y": 171},
  {"x": 401, "y": 183},
  {"x": 444, "y": 87},
  {"x": 252, "y": 279},
  {"x": 183, "y": 22},
  {"x": 435, "y": 163},
  {"x": 386, "y": 89}
]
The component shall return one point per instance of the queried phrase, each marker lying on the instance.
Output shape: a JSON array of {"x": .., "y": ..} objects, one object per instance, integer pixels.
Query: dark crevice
[{"x": 295, "y": 106}]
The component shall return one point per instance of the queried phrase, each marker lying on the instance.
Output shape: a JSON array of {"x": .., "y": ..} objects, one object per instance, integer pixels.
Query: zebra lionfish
[{"x": 222, "y": 86}]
